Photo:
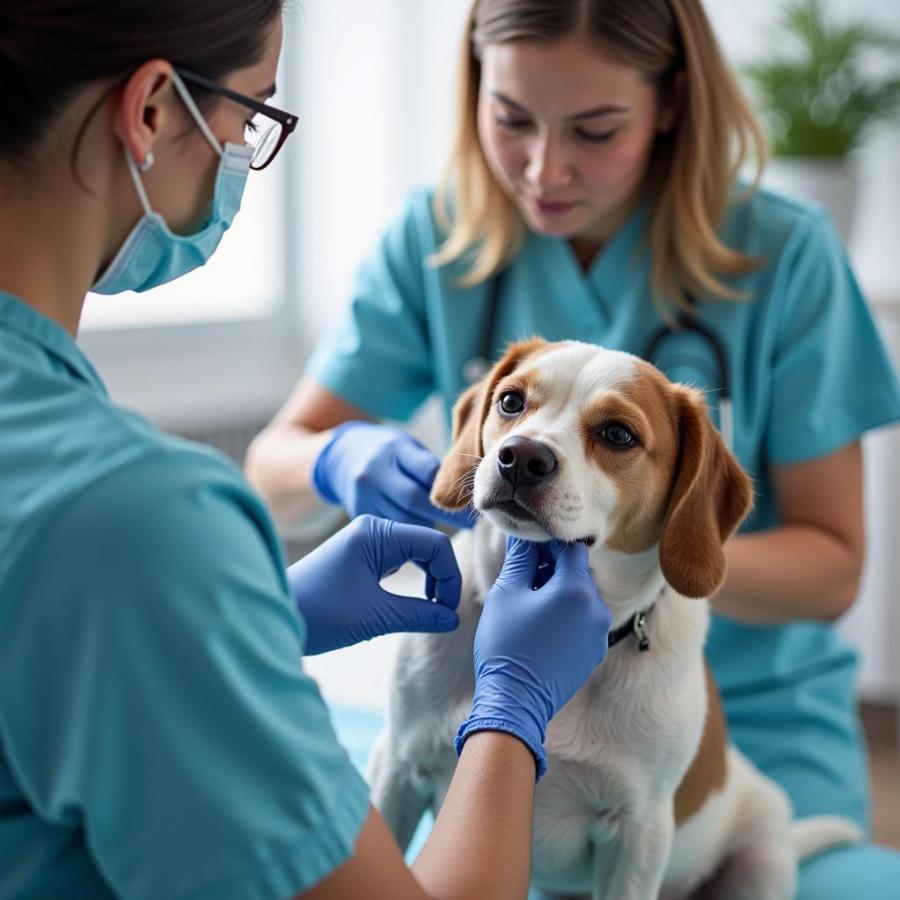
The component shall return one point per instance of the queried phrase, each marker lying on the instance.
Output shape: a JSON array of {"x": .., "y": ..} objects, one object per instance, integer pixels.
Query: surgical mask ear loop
[
  {"x": 149, "y": 159},
  {"x": 188, "y": 101},
  {"x": 138, "y": 181},
  {"x": 152, "y": 254}
]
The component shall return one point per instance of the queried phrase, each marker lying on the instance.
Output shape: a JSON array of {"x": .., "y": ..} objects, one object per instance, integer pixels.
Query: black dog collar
[{"x": 636, "y": 625}]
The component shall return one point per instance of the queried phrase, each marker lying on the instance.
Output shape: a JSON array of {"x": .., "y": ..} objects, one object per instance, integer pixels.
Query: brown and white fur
[{"x": 643, "y": 796}]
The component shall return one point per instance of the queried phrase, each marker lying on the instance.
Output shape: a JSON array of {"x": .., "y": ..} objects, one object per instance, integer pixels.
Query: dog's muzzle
[
  {"x": 526, "y": 463},
  {"x": 524, "y": 467}
]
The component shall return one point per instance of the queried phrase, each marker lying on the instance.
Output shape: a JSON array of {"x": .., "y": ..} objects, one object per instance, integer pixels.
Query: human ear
[
  {"x": 671, "y": 103},
  {"x": 140, "y": 108}
]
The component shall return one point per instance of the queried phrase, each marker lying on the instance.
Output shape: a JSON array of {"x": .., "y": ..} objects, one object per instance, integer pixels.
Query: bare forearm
[
  {"x": 480, "y": 845},
  {"x": 485, "y": 821},
  {"x": 788, "y": 573},
  {"x": 279, "y": 465}
]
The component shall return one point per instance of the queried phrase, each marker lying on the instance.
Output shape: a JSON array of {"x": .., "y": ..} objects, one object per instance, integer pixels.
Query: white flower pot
[{"x": 831, "y": 182}]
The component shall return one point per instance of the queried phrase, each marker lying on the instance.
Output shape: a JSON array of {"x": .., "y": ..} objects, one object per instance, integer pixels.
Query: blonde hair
[{"x": 693, "y": 167}]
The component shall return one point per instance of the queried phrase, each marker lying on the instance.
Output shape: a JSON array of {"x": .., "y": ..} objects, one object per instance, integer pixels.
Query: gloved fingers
[
  {"x": 388, "y": 508},
  {"x": 421, "y": 511},
  {"x": 551, "y": 550},
  {"x": 432, "y": 552},
  {"x": 420, "y": 466},
  {"x": 415, "y": 614},
  {"x": 571, "y": 561},
  {"x": 520, "y": 564},
  {"x": 417, "y": 462},
  {"x": 462, "y": 518},
  {"x": 394, "y": 494}
]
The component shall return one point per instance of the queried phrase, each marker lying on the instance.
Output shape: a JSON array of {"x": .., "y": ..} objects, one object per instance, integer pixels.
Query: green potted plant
[{"x": 819, "y": 96}]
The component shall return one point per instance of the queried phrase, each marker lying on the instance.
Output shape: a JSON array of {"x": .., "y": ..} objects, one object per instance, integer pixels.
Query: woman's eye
[
  {"x": 593, "y": 137},
  {"x": 251, "y": 126},
  {"x": 512, "y": 124},
  {"x": 618, "y": 436},
  {"x": 511, "y": 403}
]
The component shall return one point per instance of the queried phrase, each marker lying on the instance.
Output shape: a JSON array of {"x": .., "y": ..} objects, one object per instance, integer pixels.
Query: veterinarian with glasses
[
  {"x": 158, "y": 736},
  {"x": 592, "y": 194}
]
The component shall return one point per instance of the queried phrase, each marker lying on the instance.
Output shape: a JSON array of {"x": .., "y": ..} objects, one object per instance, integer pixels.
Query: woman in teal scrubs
[
  {"x": 158, "y": 735},
  {"x": 592, "y": 194}
]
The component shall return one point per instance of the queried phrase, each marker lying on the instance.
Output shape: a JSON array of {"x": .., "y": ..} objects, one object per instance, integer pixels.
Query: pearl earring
[{"x": 147, "y": 164}]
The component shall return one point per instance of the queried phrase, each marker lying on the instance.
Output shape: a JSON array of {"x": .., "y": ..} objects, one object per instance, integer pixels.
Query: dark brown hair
[{"x": 49, "y": 49}]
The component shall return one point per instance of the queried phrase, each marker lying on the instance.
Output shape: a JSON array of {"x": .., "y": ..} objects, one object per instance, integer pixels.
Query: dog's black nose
[{"x": 523, "y": 462}]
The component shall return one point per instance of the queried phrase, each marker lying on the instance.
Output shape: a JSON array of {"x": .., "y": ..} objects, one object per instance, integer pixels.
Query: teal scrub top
[
  {"x": 809, "y": 375},
  {"x": 158, "y": 736}
]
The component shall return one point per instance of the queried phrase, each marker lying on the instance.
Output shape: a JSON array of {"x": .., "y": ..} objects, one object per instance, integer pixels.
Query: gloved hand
[
  {"x": 538, "y": 640},
  {"x": 384, "y": 471},
  {"x": 336, "y": 586}
]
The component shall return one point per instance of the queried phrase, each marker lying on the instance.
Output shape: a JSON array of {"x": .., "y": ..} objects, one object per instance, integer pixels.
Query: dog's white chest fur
[{"x": 616, "y": 752}]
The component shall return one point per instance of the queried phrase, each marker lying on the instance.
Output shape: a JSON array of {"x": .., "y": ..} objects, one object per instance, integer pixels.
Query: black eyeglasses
[{"x": 266, "y": 132}]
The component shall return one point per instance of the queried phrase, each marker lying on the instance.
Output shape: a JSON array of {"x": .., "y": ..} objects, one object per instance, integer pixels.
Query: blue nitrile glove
[
  {"x": 383, "y": 471},
  {"x": 336, "y": 586},
  {"x": 538, "y": 641}
]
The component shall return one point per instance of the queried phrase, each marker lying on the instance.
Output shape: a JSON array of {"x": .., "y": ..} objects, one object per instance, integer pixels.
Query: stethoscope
[{"x": 475, "y": 368}]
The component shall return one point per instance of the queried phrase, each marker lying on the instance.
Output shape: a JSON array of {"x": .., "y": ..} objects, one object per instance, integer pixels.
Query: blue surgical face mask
[{"x": 152, "y": 254}]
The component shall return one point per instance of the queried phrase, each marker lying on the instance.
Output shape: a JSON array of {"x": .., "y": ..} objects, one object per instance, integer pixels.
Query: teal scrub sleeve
[
  {"x": 154, "y": 694},
  {"x": 832, "y": 378},
  {"x": 379, "y": 359}
]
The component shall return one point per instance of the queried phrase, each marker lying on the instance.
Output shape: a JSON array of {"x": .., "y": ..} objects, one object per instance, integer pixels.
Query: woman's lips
[{"x": 552, "y": 207}]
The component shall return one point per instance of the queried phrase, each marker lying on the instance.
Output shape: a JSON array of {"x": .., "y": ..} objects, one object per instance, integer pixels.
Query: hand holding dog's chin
[{"x": 535, "y": 646}]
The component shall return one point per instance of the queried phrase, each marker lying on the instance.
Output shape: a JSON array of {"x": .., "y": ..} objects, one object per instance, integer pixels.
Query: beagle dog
[{"x": 643, "y": 796}]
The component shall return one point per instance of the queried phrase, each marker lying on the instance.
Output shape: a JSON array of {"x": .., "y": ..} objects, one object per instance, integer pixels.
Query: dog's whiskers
[{"x": 465, "y": 482}]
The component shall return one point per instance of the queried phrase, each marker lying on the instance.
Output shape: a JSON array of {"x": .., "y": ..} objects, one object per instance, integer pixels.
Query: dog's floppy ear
[
  {"x": 710, "y": 496},
  {"x": 452, "y": 488},
  {"x": 454, "y": 481}
]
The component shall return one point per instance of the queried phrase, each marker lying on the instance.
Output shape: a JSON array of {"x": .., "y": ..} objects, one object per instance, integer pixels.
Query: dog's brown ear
[
  {"x": 455, "y": 478},
  {"x": 710, "y": 497},
  {"x": 452, "y": 488}
]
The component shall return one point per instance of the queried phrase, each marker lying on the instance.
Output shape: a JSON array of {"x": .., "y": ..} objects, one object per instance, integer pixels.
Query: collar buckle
[
  {"x": 636, "y": 625},
  {"x": 640, "y": 631}
]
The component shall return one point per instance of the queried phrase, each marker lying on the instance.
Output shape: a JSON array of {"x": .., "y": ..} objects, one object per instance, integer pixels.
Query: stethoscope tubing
[{"x": 689, "y": 324}]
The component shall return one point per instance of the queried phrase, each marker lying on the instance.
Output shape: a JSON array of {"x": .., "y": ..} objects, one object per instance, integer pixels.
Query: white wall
[
  {"x": 376, "y": 95},
  {"x": 873, "y": 623}
]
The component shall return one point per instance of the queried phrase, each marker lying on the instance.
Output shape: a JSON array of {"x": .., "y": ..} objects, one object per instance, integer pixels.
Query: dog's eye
[
  {"x": 618, "y": 436},
  {"x": 511, "y": 403}
]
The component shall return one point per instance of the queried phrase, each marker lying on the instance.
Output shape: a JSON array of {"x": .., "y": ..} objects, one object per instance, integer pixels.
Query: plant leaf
[{"x": 814, "y": 97}]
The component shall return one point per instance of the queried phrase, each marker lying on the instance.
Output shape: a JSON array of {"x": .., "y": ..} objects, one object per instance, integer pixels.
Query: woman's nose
[{"x": 548, "y": 165}]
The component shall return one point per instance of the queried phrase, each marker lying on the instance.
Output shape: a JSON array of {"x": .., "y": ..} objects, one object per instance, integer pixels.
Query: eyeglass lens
[{"x": 264, "y": 136}]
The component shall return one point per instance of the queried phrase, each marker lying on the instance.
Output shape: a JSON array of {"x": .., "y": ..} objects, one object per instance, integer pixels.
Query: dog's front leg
[
  {"x": 394, "y": 794},
  {"x": 639, "y": 867}
]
